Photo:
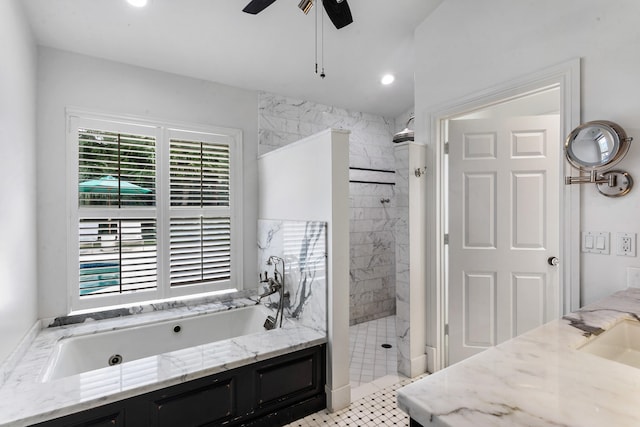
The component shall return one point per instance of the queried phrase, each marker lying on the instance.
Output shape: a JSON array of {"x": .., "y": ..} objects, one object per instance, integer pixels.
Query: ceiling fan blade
[
  {"x": 256, "y": 6},
  {"x": 339, "y": 12}
]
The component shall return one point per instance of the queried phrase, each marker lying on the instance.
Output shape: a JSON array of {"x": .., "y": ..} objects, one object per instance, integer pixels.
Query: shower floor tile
[{"x": 369, "y": 360}]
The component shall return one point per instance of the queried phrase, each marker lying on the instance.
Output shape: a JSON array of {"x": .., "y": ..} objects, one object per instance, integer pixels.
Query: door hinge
[
  {"x": 446, "y": 148},
  {"x": 446, "y": 329},
  {"x": 446, "y": 239}
]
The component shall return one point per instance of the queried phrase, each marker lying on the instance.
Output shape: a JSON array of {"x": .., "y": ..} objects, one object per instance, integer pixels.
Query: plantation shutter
[
  {"x": 199, "y": 174},
  {"x": 117, "y": 226},
  {"x": 115, "y": 169},
  {"x": 200, "y": 223},
  {"x": 117, "y": 256}
]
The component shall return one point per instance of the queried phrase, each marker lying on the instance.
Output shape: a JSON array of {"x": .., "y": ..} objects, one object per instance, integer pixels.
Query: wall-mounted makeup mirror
[{"x": 594, "y": 148}]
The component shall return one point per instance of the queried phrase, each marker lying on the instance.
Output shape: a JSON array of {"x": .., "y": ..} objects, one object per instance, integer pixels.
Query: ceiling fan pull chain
[
  {"x": 322, "y": 74},
  {"x": 316, "y": 38}
]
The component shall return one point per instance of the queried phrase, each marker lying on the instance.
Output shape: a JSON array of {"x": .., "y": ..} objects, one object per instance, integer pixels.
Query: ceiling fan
[{"x": 337, "y": 10}]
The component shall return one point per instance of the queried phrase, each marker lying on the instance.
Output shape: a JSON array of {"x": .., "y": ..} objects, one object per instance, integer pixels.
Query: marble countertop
[
  {"x": 537, "y": 379},
  {"x": 25, "y": 399}
]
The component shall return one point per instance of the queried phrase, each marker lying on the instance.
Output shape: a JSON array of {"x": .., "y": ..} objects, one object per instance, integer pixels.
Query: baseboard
[
  {"x": 418, "y": 365},
  {"x": 339, "y": 398}
]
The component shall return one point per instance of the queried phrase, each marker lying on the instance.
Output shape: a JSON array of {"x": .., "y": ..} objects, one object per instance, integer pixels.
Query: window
[
  {"x": 200, "y": 219},
  {"x": 154, "y": 210}
]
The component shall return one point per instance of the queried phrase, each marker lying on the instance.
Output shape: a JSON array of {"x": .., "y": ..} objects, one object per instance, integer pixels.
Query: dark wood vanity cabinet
[{"x": 268, "y": 393}]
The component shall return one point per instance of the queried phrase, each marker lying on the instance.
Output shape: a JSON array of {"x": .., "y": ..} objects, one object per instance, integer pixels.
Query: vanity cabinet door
[
  {"x": 215, "y": 402},
  {"x": 276, "y": 382},
  {"x": 289, "y": 380}
]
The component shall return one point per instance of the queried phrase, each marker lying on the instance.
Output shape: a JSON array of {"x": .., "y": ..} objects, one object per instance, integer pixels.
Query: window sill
[{"x": 81, "y": 316}]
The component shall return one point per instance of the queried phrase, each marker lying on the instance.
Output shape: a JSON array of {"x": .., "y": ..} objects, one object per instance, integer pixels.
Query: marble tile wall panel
[
  {"x": 302, "y": 245},
  {"x": 284, "y": 120},
  {"x": 402, "y": 258},
  {"x": 372, "y": 251}
]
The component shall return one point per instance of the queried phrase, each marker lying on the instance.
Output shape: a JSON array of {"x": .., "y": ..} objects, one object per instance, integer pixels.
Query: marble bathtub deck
[
  {"x": 25, "y": 399},
  {"x": 537, "y": 379}
]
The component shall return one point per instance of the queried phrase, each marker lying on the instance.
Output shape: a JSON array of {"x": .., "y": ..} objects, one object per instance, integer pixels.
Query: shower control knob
[{"x": 553, "y": 261}]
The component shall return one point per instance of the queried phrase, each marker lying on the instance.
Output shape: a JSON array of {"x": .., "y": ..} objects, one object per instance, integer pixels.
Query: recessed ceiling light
[
  {"x": 137, "y": 3},
  {"x": 387, "y": 79}
]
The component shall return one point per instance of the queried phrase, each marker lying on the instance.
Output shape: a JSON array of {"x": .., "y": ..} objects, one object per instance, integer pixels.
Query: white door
[{"x": 503, "y": 227}]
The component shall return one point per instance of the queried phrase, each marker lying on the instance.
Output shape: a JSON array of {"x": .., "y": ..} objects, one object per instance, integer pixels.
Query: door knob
[{"x": 553, "y": 261}]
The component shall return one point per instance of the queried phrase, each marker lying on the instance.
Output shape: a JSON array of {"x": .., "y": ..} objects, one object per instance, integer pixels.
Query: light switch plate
[
  {"x": 633, "y": 277},
  {"x": 595, "y": 242}
]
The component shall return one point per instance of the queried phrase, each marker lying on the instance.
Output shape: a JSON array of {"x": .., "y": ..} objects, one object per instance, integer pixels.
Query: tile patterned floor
[
  {"x": 369, "y": 360},
  {"x": 377, "y": 409},
  {"x": 374, "y": 380}
]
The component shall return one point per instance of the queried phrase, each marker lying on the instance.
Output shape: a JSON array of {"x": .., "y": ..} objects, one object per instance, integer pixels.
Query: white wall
[
  {"x": 411, "y": 316},
  {"x": 467, "y": 46},
  {"x": 18, "y": 279},
  {"x": 67, "y": 79},
  {"x": 308, "y": 181}
]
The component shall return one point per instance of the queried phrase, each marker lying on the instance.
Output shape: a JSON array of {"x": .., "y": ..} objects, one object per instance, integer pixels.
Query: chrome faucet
[{"x": 275, "y": 284}]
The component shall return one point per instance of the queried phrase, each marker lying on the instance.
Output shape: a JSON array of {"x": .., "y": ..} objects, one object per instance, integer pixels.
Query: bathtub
[{"x": 83, "y": 353}]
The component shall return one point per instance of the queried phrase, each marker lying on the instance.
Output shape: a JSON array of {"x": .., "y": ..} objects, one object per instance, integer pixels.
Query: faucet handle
[{"x": 266, "y": 278}]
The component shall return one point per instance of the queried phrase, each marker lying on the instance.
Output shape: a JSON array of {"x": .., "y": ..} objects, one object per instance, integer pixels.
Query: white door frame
[{"x": 566, "y": 76}]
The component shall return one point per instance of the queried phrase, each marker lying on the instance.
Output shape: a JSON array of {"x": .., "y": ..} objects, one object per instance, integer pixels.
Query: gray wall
[
  {"x": 372, "y": 244},
  {"x": 67, "y": 79},
  {"x": 18, "y": 278}
]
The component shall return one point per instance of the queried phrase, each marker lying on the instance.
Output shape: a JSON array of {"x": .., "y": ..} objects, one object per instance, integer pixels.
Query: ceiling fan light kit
[{"x": 305, "y": 6}]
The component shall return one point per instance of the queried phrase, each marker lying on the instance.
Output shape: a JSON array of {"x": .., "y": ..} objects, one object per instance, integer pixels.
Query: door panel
[
  {"x": 529, "y": 293},
  {"x": 480, "y": 309},
  {"x": 528, "y": 210},
  {"x": 479, "y": 211},
  {"x": 503, "y": 225}
]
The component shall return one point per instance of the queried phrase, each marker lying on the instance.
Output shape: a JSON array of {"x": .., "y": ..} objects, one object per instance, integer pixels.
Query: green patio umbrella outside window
[{"x": 109, "y": 185}]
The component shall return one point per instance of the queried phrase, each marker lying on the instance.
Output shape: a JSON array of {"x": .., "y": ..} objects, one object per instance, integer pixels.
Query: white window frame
[{"x": 163, "y": 131}]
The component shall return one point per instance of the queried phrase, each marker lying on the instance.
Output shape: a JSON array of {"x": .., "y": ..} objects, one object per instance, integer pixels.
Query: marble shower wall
[
  {"x": 285, "y": 120},
  {"x": 402, "y": 258},
  {"x": 303, "y": 247}
]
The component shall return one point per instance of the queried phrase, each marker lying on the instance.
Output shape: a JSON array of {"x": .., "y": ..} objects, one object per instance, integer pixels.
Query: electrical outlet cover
[{"x": 626, "y": 244}]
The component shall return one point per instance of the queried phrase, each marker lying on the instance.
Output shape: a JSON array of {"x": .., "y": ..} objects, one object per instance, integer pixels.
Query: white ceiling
[{"x": 272, "y": 51}]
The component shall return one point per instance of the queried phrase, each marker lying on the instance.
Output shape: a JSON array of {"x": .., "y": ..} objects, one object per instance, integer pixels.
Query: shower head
[{"x": 406, "y": 134}]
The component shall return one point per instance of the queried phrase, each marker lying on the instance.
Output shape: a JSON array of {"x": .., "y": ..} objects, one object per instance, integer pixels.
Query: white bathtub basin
[
  {"x": 620, "y": 343},
  {"x": 78, "y": 354}
]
